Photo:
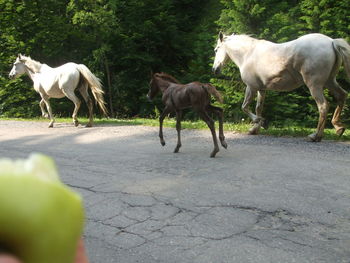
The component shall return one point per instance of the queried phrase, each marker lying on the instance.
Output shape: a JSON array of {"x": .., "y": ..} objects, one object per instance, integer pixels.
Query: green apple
[{"x": 41, "y": 219}]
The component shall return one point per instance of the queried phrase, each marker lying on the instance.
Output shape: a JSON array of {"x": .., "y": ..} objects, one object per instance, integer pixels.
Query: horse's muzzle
[{"x": 217, "y": 71}]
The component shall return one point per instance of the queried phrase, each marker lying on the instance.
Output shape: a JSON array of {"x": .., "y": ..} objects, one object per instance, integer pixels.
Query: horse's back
[{"x": 285, "y": 66}]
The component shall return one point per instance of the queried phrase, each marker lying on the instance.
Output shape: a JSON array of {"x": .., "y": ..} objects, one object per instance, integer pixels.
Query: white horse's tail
[
  {"x": 343, "y": 48},
  {"x": 95, "y": 86}
]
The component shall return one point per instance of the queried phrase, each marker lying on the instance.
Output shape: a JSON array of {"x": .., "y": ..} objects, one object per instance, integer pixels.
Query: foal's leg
[
  {"x": 178, "y": 129},
  {"x": 340, "y": 96},
  {"x": 248, "y": 98},
  {"x": 322, "y": 105},
  {"x": 165, "y": 112},
  {"x": 209, "y": 121},
  {"x": 71, "y": 95},
  {"x": 219, "y": 112},
  {"x": 85, "y": 94}
]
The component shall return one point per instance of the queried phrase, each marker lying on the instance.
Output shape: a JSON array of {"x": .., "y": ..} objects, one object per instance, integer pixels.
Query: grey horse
[{"x": 313, "y": 60}]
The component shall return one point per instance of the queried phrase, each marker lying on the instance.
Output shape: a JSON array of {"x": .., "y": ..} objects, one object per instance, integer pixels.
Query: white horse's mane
[
  {"x": 241, "y": 37},
  {"x": 31, "y": 63}
]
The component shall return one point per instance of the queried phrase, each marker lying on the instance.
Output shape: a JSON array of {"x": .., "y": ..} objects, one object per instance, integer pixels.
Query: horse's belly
[
  {"x": 284, "y": 82},
  {"x": 55, "y": 92}
]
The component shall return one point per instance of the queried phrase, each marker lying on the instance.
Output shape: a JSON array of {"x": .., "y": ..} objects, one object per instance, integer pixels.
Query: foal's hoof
[
  {"x": 162, "y": 143},
  {"x": 76, "y": 123},
  {"x": 340, "y": 131},
  {"x": 224, "y": 144},
  {"x": 89, "y": 125},
  {"x": 314, "y": 138},
  {"x": 214, "y": 152}
]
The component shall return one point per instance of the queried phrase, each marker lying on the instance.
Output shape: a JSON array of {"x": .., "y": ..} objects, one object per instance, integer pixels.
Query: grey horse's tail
[
  {"x": 95, "y": 86},
  {"x": 343, "y": 48},
  {"x": 213, "y": 91}
]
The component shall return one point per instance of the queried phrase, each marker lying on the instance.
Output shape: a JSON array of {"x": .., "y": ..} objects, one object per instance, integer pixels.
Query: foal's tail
[
  {"x": 213, "y": 91},
  {"x": 343, "y": 48},
  {"x": 95, "y": 86}
]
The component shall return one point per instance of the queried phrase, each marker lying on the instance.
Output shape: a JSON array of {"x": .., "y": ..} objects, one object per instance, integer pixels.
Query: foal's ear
[{"x": 221, "y": 36}]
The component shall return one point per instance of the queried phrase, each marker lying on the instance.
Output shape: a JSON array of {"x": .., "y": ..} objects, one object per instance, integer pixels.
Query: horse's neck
[
  {"x": 34, "y": 66},
  {"x": 163, "y": 84},
  {"x": 30, "y": 73},
  {"x": 238, "y": 49}
]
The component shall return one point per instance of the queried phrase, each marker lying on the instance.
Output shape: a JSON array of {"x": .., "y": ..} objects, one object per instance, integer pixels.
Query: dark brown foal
[{"x": 177, "y": 96}]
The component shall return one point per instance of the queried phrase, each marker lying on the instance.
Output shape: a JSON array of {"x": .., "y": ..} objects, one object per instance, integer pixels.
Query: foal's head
[{"x": 159, "y": 81}]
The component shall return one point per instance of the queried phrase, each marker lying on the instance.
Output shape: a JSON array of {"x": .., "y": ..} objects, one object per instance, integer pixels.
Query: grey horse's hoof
[
  {"x": 340, "y": 131},
  {"x": 265, "y": 124},
  {"x": 314, "y": 138},
  {"x": 255, "y": 129}
]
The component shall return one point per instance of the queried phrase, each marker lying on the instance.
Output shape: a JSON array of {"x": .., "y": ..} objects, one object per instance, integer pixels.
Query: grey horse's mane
[{"x": 31, "y": 63}]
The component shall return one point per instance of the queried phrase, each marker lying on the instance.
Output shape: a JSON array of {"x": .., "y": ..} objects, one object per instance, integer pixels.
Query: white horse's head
[
  {"x": 220, "y": 54},
  {"x": 19, "y": 67}
]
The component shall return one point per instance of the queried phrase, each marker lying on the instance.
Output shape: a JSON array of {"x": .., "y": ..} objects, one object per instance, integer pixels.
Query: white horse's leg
[
  {"x": 71, "y": 95},
  {"x": 248, "y": 98},
  {"x": 85, "y": 94},
  {"x": 322, "y": 105},
  {"x": 48, "y": 106},
  {"x": 42, "y": 107},
  {"x": 340, "y": 96}
]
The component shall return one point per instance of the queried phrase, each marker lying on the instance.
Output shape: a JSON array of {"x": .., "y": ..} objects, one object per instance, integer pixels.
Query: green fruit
[{"x": 41, "y": 219}]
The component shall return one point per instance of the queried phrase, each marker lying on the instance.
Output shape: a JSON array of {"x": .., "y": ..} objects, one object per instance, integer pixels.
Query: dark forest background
[{"x": 123, "y": 41}]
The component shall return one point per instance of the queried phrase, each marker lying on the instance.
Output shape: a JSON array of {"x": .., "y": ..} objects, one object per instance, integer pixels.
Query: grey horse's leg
[
  {"x": 340, "y": 96},
  {"x": 165, "y": 112},
  {"x": 322, "y": 105},
  {"x": 210, "y": 122},
  {"x": 85, "y": 94},
  {"x": 71, "y": 95},
  {"x": 248, "y": 98},
  {"x": 219, "y": 112},
  {"x": 259, "y": 107},
  {"x": 178, "y": 129}
]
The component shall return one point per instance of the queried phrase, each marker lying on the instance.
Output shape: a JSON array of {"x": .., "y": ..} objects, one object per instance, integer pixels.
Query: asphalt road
[{"x": 264, "y": 199}]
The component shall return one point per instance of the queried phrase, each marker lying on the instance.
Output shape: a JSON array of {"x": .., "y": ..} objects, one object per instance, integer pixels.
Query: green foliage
[{"x": 123, "y": 41}]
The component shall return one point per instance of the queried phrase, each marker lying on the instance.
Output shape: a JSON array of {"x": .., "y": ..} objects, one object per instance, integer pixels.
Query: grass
[{"x": 290, "y": 131}]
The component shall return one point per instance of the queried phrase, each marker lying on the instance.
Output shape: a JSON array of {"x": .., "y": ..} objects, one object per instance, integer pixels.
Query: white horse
[
  {"x": 313, "y": 60},
  {"x": 59, "y": 82}
]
